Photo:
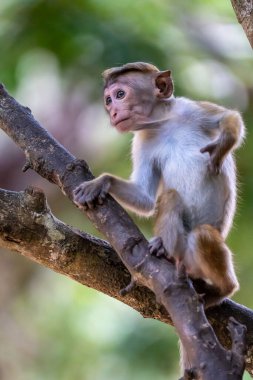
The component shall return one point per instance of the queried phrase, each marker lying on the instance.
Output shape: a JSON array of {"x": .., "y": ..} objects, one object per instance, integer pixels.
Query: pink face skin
[
  {"x": 137, "y": 100},
  {"x": 125, "y": 105}
]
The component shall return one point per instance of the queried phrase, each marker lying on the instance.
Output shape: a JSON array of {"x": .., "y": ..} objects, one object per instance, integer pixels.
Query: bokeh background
[{"x": 52, "y": 53}]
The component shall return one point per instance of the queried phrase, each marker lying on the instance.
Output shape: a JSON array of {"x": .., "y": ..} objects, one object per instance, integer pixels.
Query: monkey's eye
[
  {"x": 108, "y": 100},
  {"x": 120, "y": 94}
]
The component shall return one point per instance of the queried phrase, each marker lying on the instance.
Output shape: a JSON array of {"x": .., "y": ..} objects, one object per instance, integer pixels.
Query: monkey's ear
[{"x": 164, "y": 84}]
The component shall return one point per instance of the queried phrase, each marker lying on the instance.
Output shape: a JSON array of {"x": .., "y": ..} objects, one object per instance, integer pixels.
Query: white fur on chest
[{"x": 182, "y": 166}]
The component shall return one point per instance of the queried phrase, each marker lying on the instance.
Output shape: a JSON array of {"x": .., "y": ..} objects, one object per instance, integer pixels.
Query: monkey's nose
[{"x": 114, "y": 115}]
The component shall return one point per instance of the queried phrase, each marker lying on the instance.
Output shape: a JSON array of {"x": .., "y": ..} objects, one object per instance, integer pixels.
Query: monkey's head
[{"x": 134, "y": 93}]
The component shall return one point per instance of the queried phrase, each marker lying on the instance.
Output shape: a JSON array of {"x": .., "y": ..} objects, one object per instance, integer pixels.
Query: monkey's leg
[
  {"x": 170, "y": 235},
  {"x": 208, "y": 257}
]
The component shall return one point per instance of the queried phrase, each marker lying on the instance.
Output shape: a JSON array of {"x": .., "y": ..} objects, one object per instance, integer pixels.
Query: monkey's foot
[{"x": 156, "y": 247}]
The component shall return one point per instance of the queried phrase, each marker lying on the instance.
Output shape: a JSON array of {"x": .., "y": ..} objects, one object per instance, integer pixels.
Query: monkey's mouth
[
  {"x": 123, "y": 125},
  {"x": 121, "y": 121}
]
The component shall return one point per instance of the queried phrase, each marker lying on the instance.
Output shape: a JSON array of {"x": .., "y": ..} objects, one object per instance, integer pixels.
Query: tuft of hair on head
[{"x": 111, "y": 74}]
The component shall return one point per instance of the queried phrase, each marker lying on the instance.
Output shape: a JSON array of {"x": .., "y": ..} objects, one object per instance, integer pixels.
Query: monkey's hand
[
  {"x": 91, "y": 193},
  {"x": 217, "y": 156}
]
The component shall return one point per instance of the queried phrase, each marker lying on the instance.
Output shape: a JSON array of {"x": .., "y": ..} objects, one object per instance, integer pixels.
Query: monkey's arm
[
  {"x": 231, "y": 134},
  {"x": 137, "y": 194}
]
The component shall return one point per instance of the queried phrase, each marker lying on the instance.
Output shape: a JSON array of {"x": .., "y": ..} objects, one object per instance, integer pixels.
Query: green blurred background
[{"x": 52, "y": 54}]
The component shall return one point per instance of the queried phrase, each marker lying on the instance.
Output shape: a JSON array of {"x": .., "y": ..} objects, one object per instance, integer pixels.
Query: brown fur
[
  {"x": 210, "y": 244},
  {"x": 230, "y": 125},
  {"x": 211, "y": 108},
  {"x": 169, "y": 223},
  {"x": 213, "y": 260},
  {"x": 168, "y": 201},
  {"x": 110, "y": 75},
  {"x": 209, "y": 258}
]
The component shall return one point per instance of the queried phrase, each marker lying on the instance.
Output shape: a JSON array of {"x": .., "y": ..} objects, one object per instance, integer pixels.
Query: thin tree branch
[
  {"x": 172, "y": 289},
  {"x": 244, "y": 13}
]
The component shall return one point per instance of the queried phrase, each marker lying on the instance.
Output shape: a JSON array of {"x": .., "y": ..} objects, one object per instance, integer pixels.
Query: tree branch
[
  {"x": 28, "y": 227},
  {"x": 244, "y": 13},
  {"x": 172, "y": 289}
]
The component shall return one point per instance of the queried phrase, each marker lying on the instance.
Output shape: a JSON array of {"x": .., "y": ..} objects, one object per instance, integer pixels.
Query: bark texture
[
  {"x": 172, "y": 289},
  {"x": 244, "y": 13},
  {"x": 28, "y": 227}
]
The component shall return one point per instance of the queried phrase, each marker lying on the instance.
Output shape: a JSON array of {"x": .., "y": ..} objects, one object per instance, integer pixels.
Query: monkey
[{"x": 183, "y": 172}]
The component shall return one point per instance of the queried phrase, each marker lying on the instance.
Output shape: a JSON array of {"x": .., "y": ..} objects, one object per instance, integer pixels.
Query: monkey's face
[{"x": 130, "y": 101}]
